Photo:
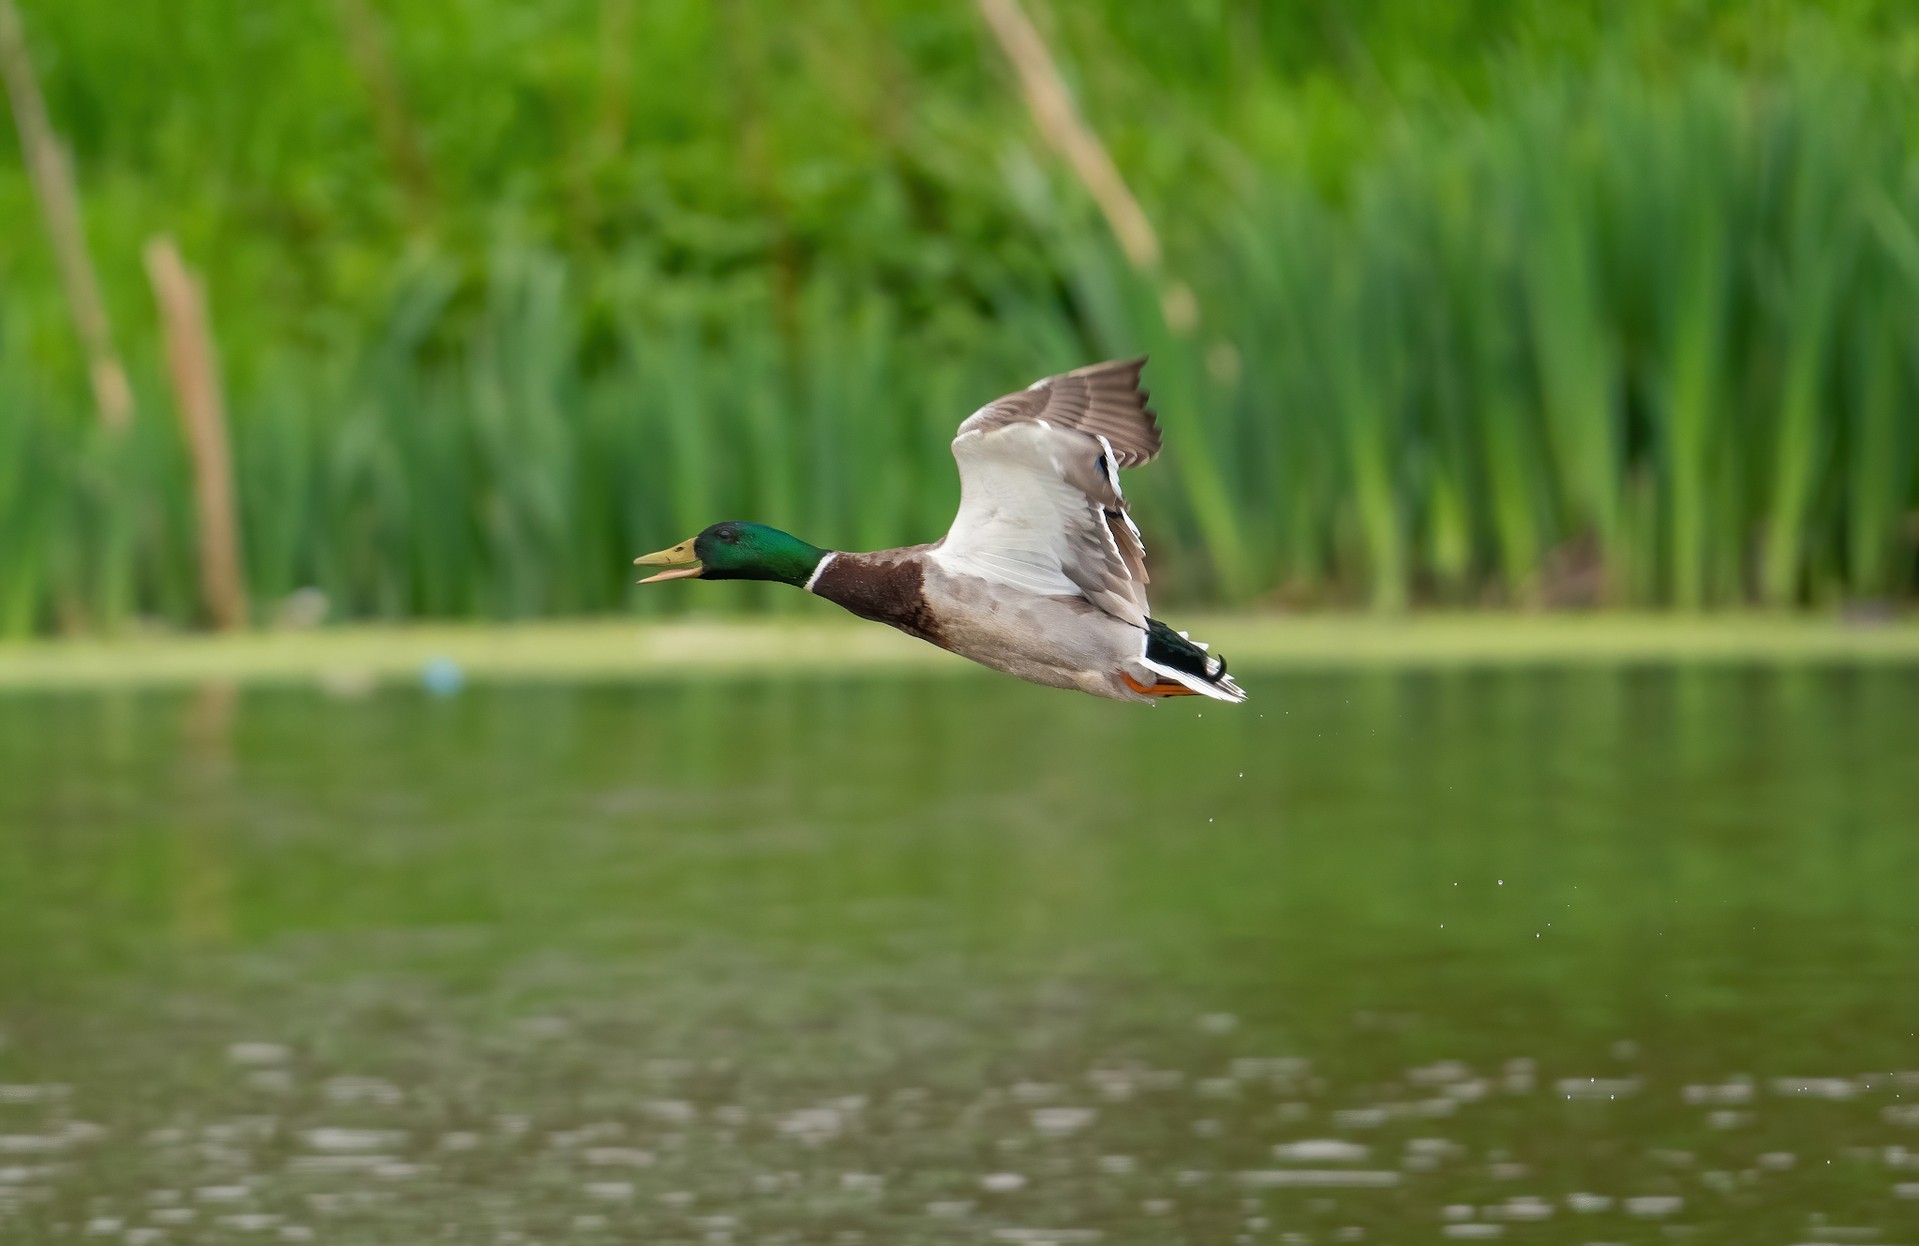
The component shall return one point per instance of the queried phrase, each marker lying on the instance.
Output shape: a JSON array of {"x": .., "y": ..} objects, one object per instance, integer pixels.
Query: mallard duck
[{"x": 1042, "y": 574}]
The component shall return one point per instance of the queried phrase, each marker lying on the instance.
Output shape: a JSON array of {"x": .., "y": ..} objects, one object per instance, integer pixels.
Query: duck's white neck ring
[{"x": 813, "y": 579}]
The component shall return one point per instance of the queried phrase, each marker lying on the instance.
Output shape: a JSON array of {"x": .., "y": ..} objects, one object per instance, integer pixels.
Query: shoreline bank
[{"x": 695, "y": 647}]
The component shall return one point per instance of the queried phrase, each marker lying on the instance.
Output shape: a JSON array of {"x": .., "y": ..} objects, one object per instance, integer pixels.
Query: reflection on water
[{"x": 1528, "y": 956}]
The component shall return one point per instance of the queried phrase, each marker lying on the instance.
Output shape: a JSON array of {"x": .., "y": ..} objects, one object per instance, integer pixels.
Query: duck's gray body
[{"x": 1059, "y": 641}]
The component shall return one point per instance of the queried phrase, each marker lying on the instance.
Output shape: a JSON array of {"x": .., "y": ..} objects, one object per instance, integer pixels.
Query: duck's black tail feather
[{"x": 1186, "y": 661}]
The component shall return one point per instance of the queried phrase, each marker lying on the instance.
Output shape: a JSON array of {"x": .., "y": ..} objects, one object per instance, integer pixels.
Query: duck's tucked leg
[
  {"x": 1165, "y": 688},
  {"x": 1177, "y": 659}
]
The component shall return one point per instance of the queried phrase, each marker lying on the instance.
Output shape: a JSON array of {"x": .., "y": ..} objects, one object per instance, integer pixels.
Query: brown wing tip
[
  {"x": 1110, "y": 389},
  {"x": 1129, "y": 370},
  {"x": 1132, "y": 367}
]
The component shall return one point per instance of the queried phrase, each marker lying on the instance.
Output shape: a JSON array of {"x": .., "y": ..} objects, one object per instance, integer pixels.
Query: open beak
[{"x": 677, "y": 558}]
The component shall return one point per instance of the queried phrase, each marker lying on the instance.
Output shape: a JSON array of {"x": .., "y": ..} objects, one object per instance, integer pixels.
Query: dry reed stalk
[
  {"x": 60, "y": 204},
  {"x": 1060, "y": 123},
  {"x": 192, "y": 364}
]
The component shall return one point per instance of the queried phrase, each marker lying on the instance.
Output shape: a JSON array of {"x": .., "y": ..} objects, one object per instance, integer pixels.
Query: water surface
[{"x": 1604, "y": 955}]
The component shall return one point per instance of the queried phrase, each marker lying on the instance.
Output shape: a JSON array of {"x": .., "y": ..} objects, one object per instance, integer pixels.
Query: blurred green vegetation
[{"x": 1514, "y": 303}]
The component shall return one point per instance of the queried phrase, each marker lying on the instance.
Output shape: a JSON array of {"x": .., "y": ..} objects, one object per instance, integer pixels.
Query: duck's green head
[{"x": 737, "y": 551}]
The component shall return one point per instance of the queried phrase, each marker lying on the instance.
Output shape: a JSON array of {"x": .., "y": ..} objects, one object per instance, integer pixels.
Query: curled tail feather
[{"x": 1185, "y": 662}]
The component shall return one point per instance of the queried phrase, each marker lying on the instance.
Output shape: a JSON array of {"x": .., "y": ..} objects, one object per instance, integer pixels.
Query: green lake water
[{"x": 1394, "y": 956}]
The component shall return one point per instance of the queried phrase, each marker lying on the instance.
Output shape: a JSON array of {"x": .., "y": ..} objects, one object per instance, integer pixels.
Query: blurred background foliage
[{"x": 1537, "y": 304}]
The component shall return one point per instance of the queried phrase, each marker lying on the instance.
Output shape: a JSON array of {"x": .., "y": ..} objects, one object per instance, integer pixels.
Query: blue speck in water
[{"x": 442, "y": 677}]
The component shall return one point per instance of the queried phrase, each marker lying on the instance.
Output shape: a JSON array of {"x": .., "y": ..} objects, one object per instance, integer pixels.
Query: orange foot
[{"x": 1166, "y": 689}]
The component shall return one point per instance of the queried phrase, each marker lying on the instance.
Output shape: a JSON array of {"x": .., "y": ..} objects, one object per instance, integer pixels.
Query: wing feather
[
  {"x": 1100, "y": 400},
  {"x": 1041, "y": 510}
]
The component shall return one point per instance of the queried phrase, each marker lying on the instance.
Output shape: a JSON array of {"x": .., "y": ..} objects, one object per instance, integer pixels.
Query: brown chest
[{"x": 888, "y": 589}]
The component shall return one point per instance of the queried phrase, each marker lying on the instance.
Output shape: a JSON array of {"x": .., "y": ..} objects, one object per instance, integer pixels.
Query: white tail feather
[{"x": 1224, "y": 689}]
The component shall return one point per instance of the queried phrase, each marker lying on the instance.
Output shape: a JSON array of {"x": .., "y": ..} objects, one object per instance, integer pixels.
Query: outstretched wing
[
  {"x": 1100, "y": 400},
  {"x": 1040, "y": 503}
]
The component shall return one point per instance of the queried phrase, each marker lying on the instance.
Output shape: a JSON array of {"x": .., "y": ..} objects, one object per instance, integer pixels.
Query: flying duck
[{"x": 1042, "y": 575}]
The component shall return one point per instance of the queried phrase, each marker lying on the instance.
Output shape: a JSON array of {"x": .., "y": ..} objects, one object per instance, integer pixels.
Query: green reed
[{"x": 1604, "y": 340}]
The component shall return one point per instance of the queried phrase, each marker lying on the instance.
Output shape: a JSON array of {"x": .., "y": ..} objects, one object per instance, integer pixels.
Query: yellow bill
[{"x": 677, "y": 558}]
